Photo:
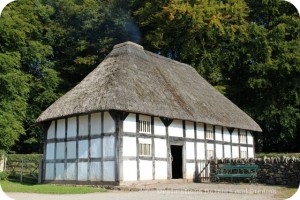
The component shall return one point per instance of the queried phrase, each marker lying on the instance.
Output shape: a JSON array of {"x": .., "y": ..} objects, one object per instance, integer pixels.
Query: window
[
  {"x": 145, "y": 126},
  {"x": 209, "y": 134},
  {"x": 243, "y": 154},
  {"x": 145, "y": 149},
  {"x": 210, "y": 154},
  {"x": 243, "y": 138}
]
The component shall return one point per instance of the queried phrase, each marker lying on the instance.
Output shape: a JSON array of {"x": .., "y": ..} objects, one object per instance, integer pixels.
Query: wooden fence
[{"x": 23, "y": 170}]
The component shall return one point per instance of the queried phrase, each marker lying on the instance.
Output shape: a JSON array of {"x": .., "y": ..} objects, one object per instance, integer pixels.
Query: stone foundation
[{"x": 271, "y": 171}]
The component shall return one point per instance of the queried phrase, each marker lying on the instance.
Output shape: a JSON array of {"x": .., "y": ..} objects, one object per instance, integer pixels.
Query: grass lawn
[
  {"x": 286, "y": 193},
  {"x": 9, "y": 186}
]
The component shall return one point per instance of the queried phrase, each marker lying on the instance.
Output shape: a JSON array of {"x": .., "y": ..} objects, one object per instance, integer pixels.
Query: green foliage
[
  {"x": 28, "y": 157},
  {"x": 3, "y": 176}
]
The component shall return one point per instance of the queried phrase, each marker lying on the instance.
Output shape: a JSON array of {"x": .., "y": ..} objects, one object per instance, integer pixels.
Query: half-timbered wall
[
  {"x": 198, "y": 147},
  {"x": 81, "y": 148}
]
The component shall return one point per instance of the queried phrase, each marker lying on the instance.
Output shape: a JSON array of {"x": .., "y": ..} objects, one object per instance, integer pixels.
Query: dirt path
[{"x": 186, "y": 191}]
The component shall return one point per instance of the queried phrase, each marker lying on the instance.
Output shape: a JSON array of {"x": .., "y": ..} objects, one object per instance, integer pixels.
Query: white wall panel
[
  {"x": 51, "y": 130},
  {"x": 82, "y": 171},
  {"x": 219, "y": 151},
  {"x": 161, "y": 171},
  {"x": 200, "y": 151},
  {"x": 109, "y": 146},
  {"x": 83, "y": 149},
  {"x": 129, "y": 146},
  {"x": 227, "y": 151},
  {"x": 95, "y": 171},
  {"x": 71, "y": 150},
  {"x": 61, "y": 128},
  {"x": 145, "y": 170},
  {"x": 159, "y": 127},
  {"x": 189, "y": 129},
  {"x": 210, "y": 146},
  {"x": 176, "y": 128},
  {"x": 71, "y": 171},
  {"x": 60, "y": 171},
  {"x": 235, "y": 152},
  {"x": 129, "y": 170},
  {"x": 226, "y": 135},
  {"x": 235, "y": 136},
  {"x": 200, "y": 130},
  {"x": 249, "y": 138},
  {"x": 83, "y": 125},
  {"x": 109, "y": 171},
  {"x": 96, "y": 148},
  {"x": 108, "y": 123},
  {"x": 190, "y": 150},
  {"x": 145, "y": 141},
  {"x": 190, "y": 170},
  {"x": 129, "y": 124},
  {"x": 50, "y": 151},
  {"x": 49, "y": 171},
  {"x": 160, "y": 148},
  {"x": 60, "y": 150},
  {"x": 96, "y": 124},
  {"x": 218, "y": 132},
  {"x": 71, "y": 130},
  {"x": 250, "y": 152}
]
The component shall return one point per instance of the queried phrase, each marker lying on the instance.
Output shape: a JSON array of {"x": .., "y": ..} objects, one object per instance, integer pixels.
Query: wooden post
[
  {"x": 22, "y": 167},
  {"x": 40, "y": 171}
]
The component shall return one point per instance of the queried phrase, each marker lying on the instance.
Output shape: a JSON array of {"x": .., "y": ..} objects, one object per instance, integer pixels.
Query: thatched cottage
[{"x": 141, "y": 116}]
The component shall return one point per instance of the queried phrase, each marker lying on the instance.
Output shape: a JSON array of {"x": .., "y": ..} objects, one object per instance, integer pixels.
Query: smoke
[{"x": 133, "y": 31}]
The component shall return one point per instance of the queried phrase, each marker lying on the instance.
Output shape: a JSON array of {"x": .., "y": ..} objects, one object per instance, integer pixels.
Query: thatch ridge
[{"x": 134, "y": 80}]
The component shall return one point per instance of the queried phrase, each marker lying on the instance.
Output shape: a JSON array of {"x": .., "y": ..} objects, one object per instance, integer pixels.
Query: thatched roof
[{"x": 134, "y": 80}]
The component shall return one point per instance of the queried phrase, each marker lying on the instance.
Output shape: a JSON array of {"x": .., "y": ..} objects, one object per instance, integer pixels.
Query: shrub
[{"x": 3, "y": 176}]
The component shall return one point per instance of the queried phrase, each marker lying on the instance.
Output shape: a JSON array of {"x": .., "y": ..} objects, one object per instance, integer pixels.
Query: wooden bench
[{"x": 236, "y": 171}]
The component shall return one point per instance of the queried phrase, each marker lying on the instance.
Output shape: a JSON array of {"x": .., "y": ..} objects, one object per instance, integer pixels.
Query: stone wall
[{"x": 271, "y": 171}]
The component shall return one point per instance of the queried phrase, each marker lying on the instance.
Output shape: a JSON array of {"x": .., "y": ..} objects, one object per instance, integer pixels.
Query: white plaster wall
[
  {"x": 200, "y": 130},
  {"x": 189, "y": 129},
  {"x": 235, "y": 152},
  {"x": 161, "y": 172},
  {"x": 71, "y": 171},
  {"x": 96, "y": 148},
  {"x": 218, "y": 132},
  {"x": 226, "y": 135},
  {"x": 51, "y": 130},
  {"x": 145, "y": 170},
  {"x": 129, "y": 124},
  {"x": 49, "y": 171},
  {"x": 235, "y": 136},
  {"x": 210, "y": 146},
  {"x": 109, "y": 146},
  {"x": 61, "y": 128},
  {"x": 243, "y": 148},
  {"x": 71, "y": 150},
  {"x": 109, "y": 171},
  {"x": 145, "y": 141},
  {"x": 190, "y": 170},
  {"x": 83, "y": 147},
  {"x": 227, "y": 151},
  {"x": 200, "y": 151},
  {"x": 219, "y": 151},
  {"x": 160, "y": 148},
  {"x": 176, "y": 128},
  {"x": 95, "y": 171},
  {"x": 50, "y": 151},
  {"x": 190, "y": 150},
  {"x": 129, "y": 146},
  {"x": 60, "y": 150},
  {"x": 250, "y": 152},
  {"x": 249, "y": 138},
  {"x": 83, "y": 125},
  {"x": 129, "y": 170},
  {"x": 71, "y": 130},
  {"x": 60, "y": 171},
  {"x": 159, "y": 127},
  {"x": 108, "y": 123},
  {"x": 82, "y": 171},
  {"x": 96, "y": 124}
]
